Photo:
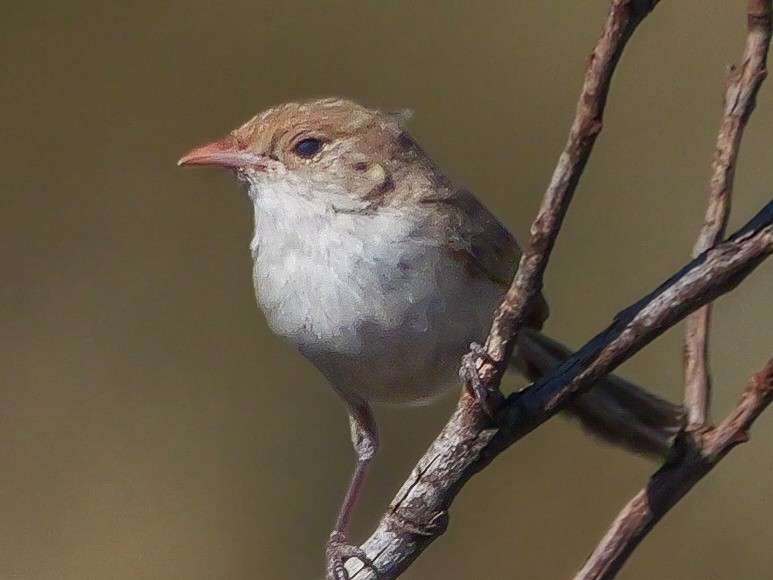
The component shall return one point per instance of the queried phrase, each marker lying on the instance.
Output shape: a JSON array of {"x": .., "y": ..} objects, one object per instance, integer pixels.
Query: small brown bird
[{"x": 381, "y": 271}]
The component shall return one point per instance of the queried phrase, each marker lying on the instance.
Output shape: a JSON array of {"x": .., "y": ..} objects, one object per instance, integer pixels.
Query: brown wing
[
  {"x": 479, "y": 239},
  {"x": 476, "y": 237},
  {"x": 485, "y": 246}
]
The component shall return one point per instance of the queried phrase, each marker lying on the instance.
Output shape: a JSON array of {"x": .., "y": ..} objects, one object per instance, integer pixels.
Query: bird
[{"x": 381, "y": 270}]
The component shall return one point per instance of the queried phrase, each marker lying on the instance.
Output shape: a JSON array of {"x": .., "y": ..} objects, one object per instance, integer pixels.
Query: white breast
[{"x": 381, "y": 310}]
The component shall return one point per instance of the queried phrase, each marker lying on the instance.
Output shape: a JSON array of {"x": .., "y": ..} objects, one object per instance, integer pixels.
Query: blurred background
[{"x": 150, "y": 425}]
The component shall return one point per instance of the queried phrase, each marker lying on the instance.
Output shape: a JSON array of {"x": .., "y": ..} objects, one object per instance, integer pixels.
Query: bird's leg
[
  {"x": 489, "y": 399},
  {"x": 365, "y": 441}
]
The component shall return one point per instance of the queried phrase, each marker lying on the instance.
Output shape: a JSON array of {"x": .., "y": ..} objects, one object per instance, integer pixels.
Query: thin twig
[
  {"x": 699, "y": 452},
  {"x": 418, "y": 514},
  {"x": 623, "y": 18},
  {"x": 743, "y": 83}
]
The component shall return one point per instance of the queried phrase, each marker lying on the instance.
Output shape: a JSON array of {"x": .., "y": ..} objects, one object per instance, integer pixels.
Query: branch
[
  {"x": 414, "y": 520},
  {"x": 743, "y": 83},
  {"x": 705, "y": 278},
  {"x": 698, "y": 453},
  {"x": 700, "y": 446},
  {"x": 624, "y": 16},
  {"x": 418, "y": 514},
  {"x": 470, "y": 440}
]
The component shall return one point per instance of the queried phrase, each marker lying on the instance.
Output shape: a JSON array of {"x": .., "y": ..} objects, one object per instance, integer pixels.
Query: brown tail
[{"x": 614, "y": 409}]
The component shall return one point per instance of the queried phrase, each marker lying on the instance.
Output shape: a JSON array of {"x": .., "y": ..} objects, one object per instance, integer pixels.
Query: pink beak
[{"x": 227, "y": 152}]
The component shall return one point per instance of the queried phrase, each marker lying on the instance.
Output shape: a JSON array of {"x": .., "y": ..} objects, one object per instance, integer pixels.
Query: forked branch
[
  {"x": 470, "y": 440},
  {"x": 744, "y": 80},
  {"x": 701, "y": 446},
  {"x": 467, "y": 443},
  {"x": 698, "y": 452}
]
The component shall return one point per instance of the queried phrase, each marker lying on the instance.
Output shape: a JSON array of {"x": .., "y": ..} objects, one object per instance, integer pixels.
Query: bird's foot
[
  {"x": 488, "y": 398},
  {"x": 338, "y": 552}
]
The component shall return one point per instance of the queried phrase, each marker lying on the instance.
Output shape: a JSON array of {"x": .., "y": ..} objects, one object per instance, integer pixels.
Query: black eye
[{"x": 308, "y": 147}]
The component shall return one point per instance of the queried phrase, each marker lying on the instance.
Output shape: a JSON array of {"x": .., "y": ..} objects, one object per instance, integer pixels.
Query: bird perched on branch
[{"x": 381, "y": 271}]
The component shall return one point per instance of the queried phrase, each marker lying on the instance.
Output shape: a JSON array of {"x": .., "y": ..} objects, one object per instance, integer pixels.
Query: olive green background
[{"x": 150, "y": 425}]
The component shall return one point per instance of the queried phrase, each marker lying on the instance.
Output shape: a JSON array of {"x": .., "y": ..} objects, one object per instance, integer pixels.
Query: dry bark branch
[
  {"x": 743, "y": 83},
  {"x": 470, "y": 440},
  {"x": 698, "y": 452},
  {"x": 419, "y": 513},
  {"x": 700, "y": 447},
  {"x": 623, "y": 18}
]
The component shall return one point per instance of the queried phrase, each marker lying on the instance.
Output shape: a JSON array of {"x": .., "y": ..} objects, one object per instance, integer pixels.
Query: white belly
[{"x": 384, "y": 315}]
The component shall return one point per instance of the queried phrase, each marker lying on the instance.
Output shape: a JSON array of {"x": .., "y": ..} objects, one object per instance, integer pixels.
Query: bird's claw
[
  {"x": 488, "y": 398},
  {"x": 338, "y": 552}
]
